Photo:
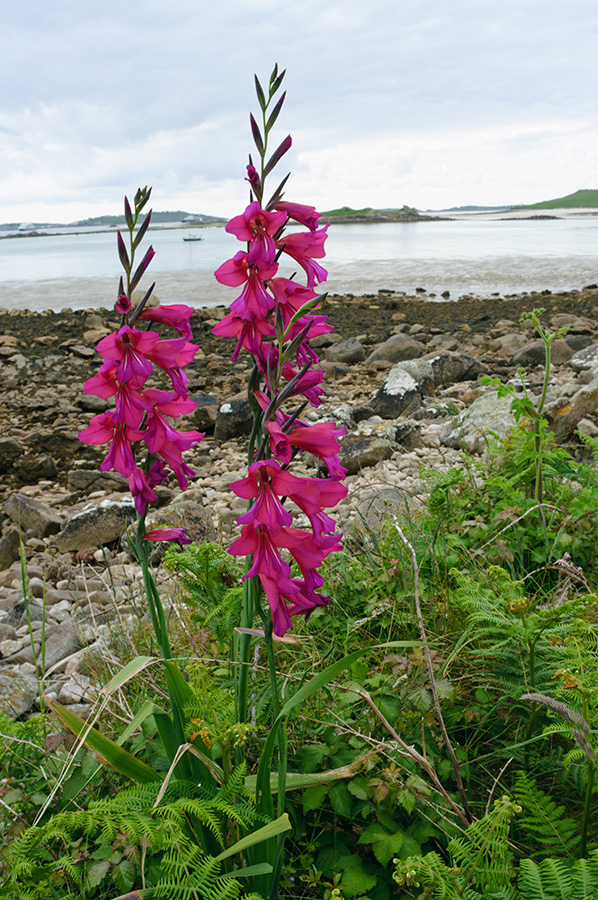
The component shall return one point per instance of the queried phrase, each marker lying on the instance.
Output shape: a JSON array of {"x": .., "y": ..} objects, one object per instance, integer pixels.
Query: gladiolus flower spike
[
  {"x": 274, "y": 318},
  {"x": 129, "y": 356}
]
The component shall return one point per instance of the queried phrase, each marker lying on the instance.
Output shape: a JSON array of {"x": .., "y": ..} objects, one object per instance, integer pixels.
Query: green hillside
[
  {"x": 177, "y": 215},
  {"x": 587, "y": 199}
]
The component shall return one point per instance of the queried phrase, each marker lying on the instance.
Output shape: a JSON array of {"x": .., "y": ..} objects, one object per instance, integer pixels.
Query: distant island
[
  {"x": 173, "y": 217},
  {"x": 346, "y": 216},
  {"x": 584, "y": 199}
]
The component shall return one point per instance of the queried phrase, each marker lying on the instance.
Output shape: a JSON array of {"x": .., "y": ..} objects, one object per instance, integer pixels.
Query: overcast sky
[{"x": 429, "y": 103}]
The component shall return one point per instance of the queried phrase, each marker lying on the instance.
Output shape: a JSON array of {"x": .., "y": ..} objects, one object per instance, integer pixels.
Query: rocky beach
[{"x": 402, "y": 375}]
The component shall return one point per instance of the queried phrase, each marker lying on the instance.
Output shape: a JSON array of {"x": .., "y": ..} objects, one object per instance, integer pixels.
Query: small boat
[{"x": 192, "y": 237}]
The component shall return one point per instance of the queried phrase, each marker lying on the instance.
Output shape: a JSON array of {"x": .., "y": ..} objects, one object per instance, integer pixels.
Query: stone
[
  {"x": 398, "y": 347},
  {"x": 449, "y": 368},
  {"x": 403, "y": 389},
  {"x": 60, "y": 643},
  {"x": 358, "y": 451},
  {"x": 188, "y": 514},
  {"x": 31, "y": 468},
  {"x": 566, "y": 412},
  {"x": 349, "y": 351},
  {"x": 204, "y": 416},
  {"x": 534, "y": 354},
  {"x": 234, "y": 419},
  {"x": 488, "y": 417},
  {"x": 17, "y": 693},
  {"x": 10, "y": 451},
  {"x": 95, "y": 525},
  {"x": 586, "y": 360},
  {"x": 88, "y": 480},
  {"x": 32, "y": 515},
  {"x": 9, "y": 548}
]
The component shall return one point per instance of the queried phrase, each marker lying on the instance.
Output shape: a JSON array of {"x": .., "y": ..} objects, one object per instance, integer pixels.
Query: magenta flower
[
  {"x": 176, "y": 315},
  {"x": 305, "y": 215},
  {"x": 258, "y": 226},
  {"x": 175, "y": 535},
  {"x": 304, "y": 249}
]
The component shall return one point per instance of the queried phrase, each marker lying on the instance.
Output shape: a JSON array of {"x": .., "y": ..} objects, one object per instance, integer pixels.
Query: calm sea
[{"x": 473, "y": 254}]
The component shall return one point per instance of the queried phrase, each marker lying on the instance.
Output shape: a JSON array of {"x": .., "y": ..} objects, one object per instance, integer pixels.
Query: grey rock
[
  {"x": 204, "y": 416},
  {"x": 403, "y": 390},
  {"x": 488, "y": 417},
  {"x": 360, "y": 451},
  {"x": 449, "y": 368},
  {"x": 334, "y": 369},
  {"x": 10, "y": 450},
  {"x": 87, "y": 480},
  {"x": 566, "y": 412},
  {"x": 60, "y": 643},
  {"x": 192, "y": 516},
  {"x": 95, "y": 525},
  {"x": 32, "y": 515},
  {"x": 398, "y": 347},
  {"x": 9, "y": 548},
  {"x": 17, "y": 693},
  {"x": 578, "y": 342},
  {"x": 58, "y": 444},
  {"x": 586, "y": 359},
  {"x": 534, "y": 354},
  {"x": 409, "y": 435},
  {"x": 32, "y": 468},
  {"x": 234, "y": 419},
  {"x": 349, "y": 351}
]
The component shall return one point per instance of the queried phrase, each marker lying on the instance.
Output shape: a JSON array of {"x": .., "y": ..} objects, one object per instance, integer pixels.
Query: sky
[{"x": 427, "y": 103}]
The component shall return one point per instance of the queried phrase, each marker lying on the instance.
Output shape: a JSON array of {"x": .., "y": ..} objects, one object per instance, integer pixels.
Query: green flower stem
[
  {"x": 243, "y": 641},
  {"x": 154, "y": 602}
]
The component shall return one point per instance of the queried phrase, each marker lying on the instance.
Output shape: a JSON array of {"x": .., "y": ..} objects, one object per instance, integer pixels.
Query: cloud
[{"x": 385, "y": 98}]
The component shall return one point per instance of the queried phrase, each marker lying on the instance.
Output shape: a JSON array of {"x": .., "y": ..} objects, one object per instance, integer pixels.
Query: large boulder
[
  {"x": 449, "y": 368},
  {"x": 403, "y": 390},
  {"x": 349, "y": 351},
  {"x": 566, "y": 412},
  {"x": 95, "y": 525},
  {"x": 205, "y": 414},
  {"x": 586, "y": 360},
  {"x": 10, "y": 451},
  {"x": 534, "y": 354},
  {"x": 488, "y": 417},
  {"x": 9, "y": 548},
  {"x": 234, "y": 419},
  {"x": 17, "y": 693},
  {"x": 32, "y": 515},
  {"x": 398, "y": 347},
  {"x": 359, "y": 451}
]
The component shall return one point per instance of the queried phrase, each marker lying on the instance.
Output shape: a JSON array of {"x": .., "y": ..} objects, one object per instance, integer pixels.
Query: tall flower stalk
[
  {"x": 274, "y": 319},
  {"x": 143, "y": 445}
]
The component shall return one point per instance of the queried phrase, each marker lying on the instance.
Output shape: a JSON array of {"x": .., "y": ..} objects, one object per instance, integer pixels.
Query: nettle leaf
[
  {"x": 312, "y": 755},
  {"x": 407, "y": 800},
  {"x": 384, "y": 845},
  {"x": 97, "y": 872},
  {"x": 356, "y": 878},
  {"x": 357, "y": 787},
  {"x": 410, "y": 847},
  {"x": 341, "y": 799},
  {"x": 313, "y": 797}
]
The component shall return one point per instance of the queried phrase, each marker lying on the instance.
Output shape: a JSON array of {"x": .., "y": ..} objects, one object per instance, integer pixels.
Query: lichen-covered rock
[
  {"x": 402, "y": 392},
  {"x": 234, "y": 419},
  {"x": 358, "y": 451},
  {"x": 489, "y": 417},
  {"x": 95, "y": 525},
  {"x": 17, "y": 693}
]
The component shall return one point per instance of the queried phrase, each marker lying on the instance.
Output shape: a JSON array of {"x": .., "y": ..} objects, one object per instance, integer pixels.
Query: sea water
[{"x": 471, "y": 254}]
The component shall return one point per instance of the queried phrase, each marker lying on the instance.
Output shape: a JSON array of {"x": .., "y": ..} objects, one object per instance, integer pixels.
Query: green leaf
[
  {"x": 128, "y": 672},
  {"x": 357, "y": 787},
  {"x": 272, "y": 829},
  {"x": 248, "y": 871},
  {"x": 312, "y": 755},
  {"x": 384, "y": 845},
  {"x": 341, "y": 799},
  {"x": 314, "y": 797},
  {"x": 355, "y": 877},
  {"x": 110, "y": 753},
  {"x": 97, "y": 872}
]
